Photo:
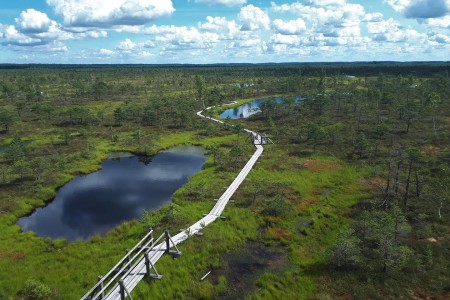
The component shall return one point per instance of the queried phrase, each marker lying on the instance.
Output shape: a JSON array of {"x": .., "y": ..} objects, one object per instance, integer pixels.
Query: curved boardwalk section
[{"x": 140, "y": 261}]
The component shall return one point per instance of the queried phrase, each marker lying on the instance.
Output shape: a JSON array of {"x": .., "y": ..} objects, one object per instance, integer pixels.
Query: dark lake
[
  {"x": 251, "y": 108},
  {"x": 124, "y": 187},
  {"x": 2, "y": 149}
]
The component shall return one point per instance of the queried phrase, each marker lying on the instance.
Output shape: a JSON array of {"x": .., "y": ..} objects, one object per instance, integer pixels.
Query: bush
[
  {"x": 35, "y": 290},
  {"x": 277, "y": 207},
  {"x": 347, "y": 251}
]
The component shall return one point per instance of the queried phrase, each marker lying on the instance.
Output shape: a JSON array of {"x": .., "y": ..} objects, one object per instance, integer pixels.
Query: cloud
[
  {"x": 91, "y": 34},
  {"x": 326, "y": 2},
  {"x": 126, "y": 45},
  {"x": 291, "y": 27},
  {"x": 440, "y": 39},
  {"x": 149, "y": 44},
  {"x": 182, "y": 37},
  {"x": 437, "y": 22},
  {"x": 310, "y": 29},
  {"x": 108, "y": 13},
  {"x": 390, "y": 30},
  {"x": 35, "y": 29},
  {"x": 421, "y": 9},
  {"x": 224, "y": 2},
  {"x": 426, "y": 9},
  {"x": 106, "y": 52},
  {"x": 336, "y": 18},
  {"x": 401, "y": 36},
  {"x": 251, "y": 43},
  {"x": 11, "y": 36},
  {"x": 375, "y": 17},
  {"x": 33, "y": 21},
  {"x": 228, "y": 30},
  {"x": 253, "y": 18},
  {"x": 285, "y": 39},
  {"x": 383, "y": 26}
]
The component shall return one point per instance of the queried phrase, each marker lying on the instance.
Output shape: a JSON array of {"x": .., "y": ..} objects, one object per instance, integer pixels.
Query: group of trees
[
  {"x": 377, "y": 242},
  {"x": 395, "y": 127}
]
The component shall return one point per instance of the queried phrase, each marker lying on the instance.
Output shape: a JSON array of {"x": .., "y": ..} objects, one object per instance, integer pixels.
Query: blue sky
[{"x": 223, "y": 31}]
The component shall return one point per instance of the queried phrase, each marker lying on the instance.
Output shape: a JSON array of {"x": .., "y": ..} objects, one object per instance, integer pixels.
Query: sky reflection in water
[
  {"x": 250, "y": 108},
  {"x": 122, "y": 190}
]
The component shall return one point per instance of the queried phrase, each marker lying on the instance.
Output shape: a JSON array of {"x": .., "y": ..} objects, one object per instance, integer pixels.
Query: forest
[{"x": 351, "y": 201}]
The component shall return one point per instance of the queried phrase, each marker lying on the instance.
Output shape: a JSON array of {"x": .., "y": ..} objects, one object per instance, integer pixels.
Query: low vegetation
[{"x": 350, "y": 202}]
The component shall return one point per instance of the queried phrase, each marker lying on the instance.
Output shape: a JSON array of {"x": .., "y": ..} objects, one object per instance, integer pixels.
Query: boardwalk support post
[
  {"x": 168, "y": 240},
  {"x": 151, "y": 234},
  {"x": 128, "y": 254},
  {"x": 100, "y": 279},
  {"x": 124, "y": 290},
  {"x": 149, "y": 266}
]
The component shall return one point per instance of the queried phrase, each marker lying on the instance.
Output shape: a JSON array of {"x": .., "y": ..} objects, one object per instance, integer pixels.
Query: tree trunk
[
  {"x": 408, "y": 124},
  {"x": 434, "y": 127},
  {"x": 405, "y": 199},
  {"x": 397, "y": 175},
  {"x": 386, "y": 191},
  {"x": 417, "y": 185}
]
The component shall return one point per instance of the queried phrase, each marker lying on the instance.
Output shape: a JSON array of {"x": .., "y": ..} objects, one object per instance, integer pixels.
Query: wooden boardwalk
[{"x": 140, "y": 261}]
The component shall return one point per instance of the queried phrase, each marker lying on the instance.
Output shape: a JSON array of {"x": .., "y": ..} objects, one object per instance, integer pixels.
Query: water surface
[
  {"x": 124, "y": 187},
  {"x": 251, "y": 108}
]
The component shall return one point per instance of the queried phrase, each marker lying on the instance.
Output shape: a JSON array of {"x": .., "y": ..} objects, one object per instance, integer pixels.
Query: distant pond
[
  {"x": 124, "y": 187},
  {"x": 251, "y": 108}
]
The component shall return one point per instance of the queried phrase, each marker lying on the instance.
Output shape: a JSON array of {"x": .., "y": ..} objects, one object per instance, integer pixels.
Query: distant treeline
[{"x": 281, "y": 69}]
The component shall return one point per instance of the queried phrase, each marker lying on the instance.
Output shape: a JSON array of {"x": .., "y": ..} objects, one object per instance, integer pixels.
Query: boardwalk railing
[
  {"x": 127, "y": 265},
  {"x": 140, "y": 261}
]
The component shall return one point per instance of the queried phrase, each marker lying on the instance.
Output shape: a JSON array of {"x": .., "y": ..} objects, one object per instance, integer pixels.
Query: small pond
[
  {"x": 251, "y": 108},
  {"x": 2, "y": 149},
  {"x": 124, "y": 187}
]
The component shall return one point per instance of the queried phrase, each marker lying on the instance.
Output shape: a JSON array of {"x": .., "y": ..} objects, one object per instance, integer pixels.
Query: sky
[{"x": 223, "y": 31}]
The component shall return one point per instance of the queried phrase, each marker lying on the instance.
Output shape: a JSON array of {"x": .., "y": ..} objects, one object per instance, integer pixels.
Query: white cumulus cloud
[
  {"x": 182, "y": 37},
  {"x": 290, "y": 27},
  {"x": 106, "y": 52},
  {"x": 33, "y": 21},
  {"x": 224, "y": 2},
  {"x": 326, "y": 2},
  {"x": 440, "y": 38},
  {"x": 11, "y": 36},
  {"x": 126, "y": 45},
  {"x": 227, "y": 30},
  {"x": 375, "y": 17},
  {"x": 108, "y": 13},
  {"x": 253, "y": 18},
  {"x": 285, "y": 39},
  {"x": 437, "y": 22}
]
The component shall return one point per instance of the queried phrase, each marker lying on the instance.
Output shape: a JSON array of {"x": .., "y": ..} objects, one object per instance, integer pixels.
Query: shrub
[
  {"x": 35, "y": 290},
  {"x": 277, "y": 207}
]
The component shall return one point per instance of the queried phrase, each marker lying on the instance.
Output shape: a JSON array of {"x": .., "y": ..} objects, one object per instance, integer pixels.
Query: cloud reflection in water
[{"x": 121, "y": 191}]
